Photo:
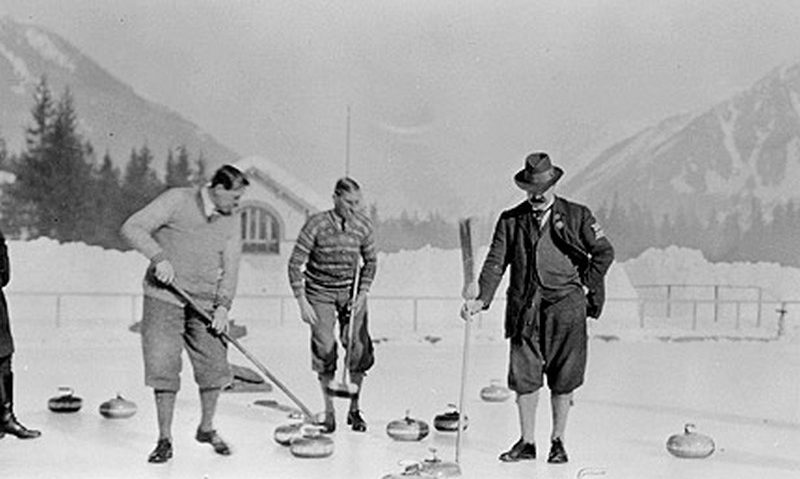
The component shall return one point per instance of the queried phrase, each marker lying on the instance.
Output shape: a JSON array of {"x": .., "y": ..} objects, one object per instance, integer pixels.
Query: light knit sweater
[{"x": 204, "y": 251}]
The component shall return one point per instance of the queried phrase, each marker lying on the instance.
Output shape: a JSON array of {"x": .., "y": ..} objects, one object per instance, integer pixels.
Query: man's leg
[
  {"x": 206, "y": 432},
  {"x": 561, "y": 404},
  {"x": 323, "y": 352},
  {"x": 165, "y": 408},
  {"x": 525, "y": 378},
  {"x": 354, "y": 418},
  {"x": 526, "y": 409},
  {"x": 162, "y": 326},
  {"x": 8, "y": 421},
  {"x": 325, "y": 380},
  {"x": 361, "y": 358},
  {"x": 208, "y": 407}
]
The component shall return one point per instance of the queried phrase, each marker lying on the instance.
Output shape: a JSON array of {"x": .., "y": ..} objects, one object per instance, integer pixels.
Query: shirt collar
[{"x": 209, "y": 208}]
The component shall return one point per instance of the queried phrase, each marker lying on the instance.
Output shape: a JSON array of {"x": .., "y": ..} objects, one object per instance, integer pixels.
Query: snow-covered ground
[{"x": 640, "y": 390}]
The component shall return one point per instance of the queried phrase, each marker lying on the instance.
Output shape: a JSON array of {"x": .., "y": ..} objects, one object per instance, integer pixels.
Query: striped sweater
[{"x": 329, "y": 248}]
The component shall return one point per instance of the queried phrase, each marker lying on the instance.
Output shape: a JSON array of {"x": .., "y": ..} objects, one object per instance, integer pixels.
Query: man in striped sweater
[
  {"x": 322, "y": 267},
  {"x": 191, "y": 237}
]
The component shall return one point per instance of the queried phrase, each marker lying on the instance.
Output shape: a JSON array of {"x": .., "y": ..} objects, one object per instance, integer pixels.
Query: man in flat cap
[{"x": 558, "y": 257}]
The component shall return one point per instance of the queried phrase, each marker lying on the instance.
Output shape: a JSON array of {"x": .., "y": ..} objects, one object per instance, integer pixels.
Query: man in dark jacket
[
  {"x": 558, "y": 257},
  {"x": 8, "y": 422}
]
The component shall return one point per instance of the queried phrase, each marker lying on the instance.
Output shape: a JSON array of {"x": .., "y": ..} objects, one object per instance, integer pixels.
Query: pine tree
[
  {"x": 179, "y": 171},
  {"x": 107, "y": 205},
  {"x": 50, "y": 196},
  {"x": 140, "y": 183}
]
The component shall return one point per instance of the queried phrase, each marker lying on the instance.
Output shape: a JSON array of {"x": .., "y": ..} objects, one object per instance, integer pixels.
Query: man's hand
[
  {"x": 164, "y": 271},
  {"x": 360, "y": 303},
  {"x": 471, "y": 307},
  {"x": 307, "y": 313},
  {"x": 220, "y": 321}
]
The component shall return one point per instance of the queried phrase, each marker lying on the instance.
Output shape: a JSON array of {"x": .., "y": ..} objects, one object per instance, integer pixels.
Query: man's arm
[
  {"x": 231, "y": 258},
  {"x": 601, "y": 255},
  {"x": 5, "y": 264},
  {"x": 370, "y": 266},
  {"x": 299, "y": 257},
  {"x": 138, "y": 229},
  {"x": 495, "y": 264}
]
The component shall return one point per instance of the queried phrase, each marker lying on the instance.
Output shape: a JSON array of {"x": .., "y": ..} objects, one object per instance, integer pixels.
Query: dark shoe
[
  {"x": 8, "y": 422},
  {"x": 355, "y": 421},
  {"x": 211, "y": 437},
  {"x": 329, "y": 424},
  {"x": 558, "y": 455},
  {"x": 10, "y": 425},
  {"x": 162, "y": 452},
  {"x": 520, "y": 451}
]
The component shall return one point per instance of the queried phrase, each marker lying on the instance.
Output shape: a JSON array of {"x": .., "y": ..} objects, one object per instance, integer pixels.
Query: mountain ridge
[{"x": 111, "y": 114}]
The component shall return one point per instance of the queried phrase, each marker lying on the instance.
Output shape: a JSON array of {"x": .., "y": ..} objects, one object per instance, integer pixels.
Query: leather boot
[{"x": 8, "y": 422}]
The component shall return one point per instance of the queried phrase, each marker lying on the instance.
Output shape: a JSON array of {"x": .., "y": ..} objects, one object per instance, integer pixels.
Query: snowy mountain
[
  {"x": 742, "y": 149},
  {"x": 112, "y": 116}
]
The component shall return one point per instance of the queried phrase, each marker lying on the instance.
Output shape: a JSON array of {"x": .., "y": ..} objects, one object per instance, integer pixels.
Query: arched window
[{"x": 261, "y": 231}]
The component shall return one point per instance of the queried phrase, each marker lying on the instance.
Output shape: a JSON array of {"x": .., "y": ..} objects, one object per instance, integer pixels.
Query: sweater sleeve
[
  {"x": 231, "y": 257},
  {"x": 138, "y": 229},
  {"x": 370, "y": 257},
  {"x": 495, "y": 264},
  {"x": 299, "y": 257}
]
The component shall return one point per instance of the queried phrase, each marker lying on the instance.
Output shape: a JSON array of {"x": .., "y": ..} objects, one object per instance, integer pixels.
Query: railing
[{"x": 409, "y": 313}]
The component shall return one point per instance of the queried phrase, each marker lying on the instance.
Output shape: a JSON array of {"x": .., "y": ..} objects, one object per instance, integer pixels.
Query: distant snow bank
[
  {"x": 677, "y": 265},
  {"x": 415, "y": 292},
  {"x": 45, "y": 265}
]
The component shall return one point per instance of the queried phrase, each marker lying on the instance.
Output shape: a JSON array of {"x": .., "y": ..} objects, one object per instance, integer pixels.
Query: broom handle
[
  {"x": 263, "y": 369},
  {"x": 464, "y": 362},
  {"x": 350, "y": 320},
  {"x": 467, "y": 292}
]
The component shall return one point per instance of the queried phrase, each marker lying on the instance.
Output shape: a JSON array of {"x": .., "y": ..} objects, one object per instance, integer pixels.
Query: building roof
[{"x": 283, "y": 183}]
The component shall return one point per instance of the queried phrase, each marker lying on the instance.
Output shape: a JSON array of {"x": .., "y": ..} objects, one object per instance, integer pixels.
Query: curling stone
[
  {"x": 494, "y": 392},
  {"x": 312, "y": 444},
  {"x": 65, "y": 401},
  {"x": 690, "y": 444},
  {"x": 448, "y": 421},
  {"x": 435, "y": 467},
  {"x": 285, "y": 434},
  {"x": 407, "y": 429},
  {"x": 118, "y": 408}
]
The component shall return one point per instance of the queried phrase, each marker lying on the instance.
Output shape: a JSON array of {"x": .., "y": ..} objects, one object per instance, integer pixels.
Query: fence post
[
  {"x": 716, "y": 302},
  {"x": 58, "y": 311},
  {"x": 133, "y": 308},
  {"x": 782, "y": 320},
  {"x": 758, "y": 313},
  {"x": 694, "y": 315},
  {"x": 641, "y": 314},
  {"x": 669, "y": 300},
  {"x": 414, "y": 318}
]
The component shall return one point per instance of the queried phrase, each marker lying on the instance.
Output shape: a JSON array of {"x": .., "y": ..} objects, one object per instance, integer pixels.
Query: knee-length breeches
[
  {"x": 166, "y": 330},
  {"x": 332, "y": 309}
]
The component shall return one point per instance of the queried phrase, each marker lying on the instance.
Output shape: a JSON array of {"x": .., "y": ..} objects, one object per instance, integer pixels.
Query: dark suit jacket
[
  {"x": 6, "y": 342},
  {"x": 576, "y": 233}
]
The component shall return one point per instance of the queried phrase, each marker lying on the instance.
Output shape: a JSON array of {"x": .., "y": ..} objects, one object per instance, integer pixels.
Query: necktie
[{"x": 538, "y": 215}]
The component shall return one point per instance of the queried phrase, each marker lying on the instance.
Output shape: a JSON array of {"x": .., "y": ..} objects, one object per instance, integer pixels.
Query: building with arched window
[{"x": 274, "y": 207}]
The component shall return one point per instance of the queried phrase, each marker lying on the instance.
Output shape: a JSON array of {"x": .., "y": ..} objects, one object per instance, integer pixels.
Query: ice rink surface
[{"x": 744, "y": 394}]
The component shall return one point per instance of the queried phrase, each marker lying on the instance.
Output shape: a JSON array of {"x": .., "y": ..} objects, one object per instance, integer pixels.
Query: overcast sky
[{"x": 446, "y": 96}]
